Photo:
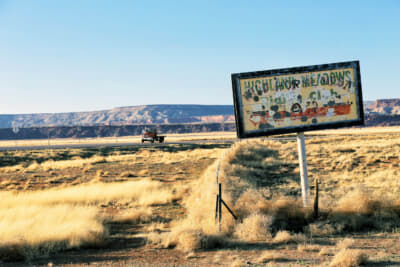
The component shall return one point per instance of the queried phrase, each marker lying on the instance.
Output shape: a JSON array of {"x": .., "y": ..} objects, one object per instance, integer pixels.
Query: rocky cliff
[
  {"x": 153, "y": 114},
  {"x": 385, "y": 106}
]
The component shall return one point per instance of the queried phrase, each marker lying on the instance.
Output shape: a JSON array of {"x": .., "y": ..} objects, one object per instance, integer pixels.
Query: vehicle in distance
[{"x": 152, "y": 136}]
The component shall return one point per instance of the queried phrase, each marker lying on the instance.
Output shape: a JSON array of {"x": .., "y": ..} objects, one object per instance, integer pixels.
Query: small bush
[
  {"x": 256, "y": 227},
  {"x": 269, "y": 256},
  {"x": 323, "y": 229},
  {"x": 289, "y": 214},
  {"x": 287, "y": 237},
  {"x": 190, "y": 240},
  {"x": 349, "y": 258}
]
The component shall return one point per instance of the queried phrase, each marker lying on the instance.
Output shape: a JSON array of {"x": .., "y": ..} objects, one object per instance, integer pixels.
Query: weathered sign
[{"x": 297, "y": 99}]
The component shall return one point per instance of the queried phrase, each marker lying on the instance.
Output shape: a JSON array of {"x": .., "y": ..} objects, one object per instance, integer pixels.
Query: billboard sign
[{"x": 297, "y": 99}]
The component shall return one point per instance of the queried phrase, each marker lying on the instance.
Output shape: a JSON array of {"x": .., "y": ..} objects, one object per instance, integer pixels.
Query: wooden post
[
  {"x": 230, "y": 211},
  {"x": 216, "y": 209},
  {"x": 316, "y": 199},
  {"x": 305, "y": 190},
  {"x": 219, "y": 205}
]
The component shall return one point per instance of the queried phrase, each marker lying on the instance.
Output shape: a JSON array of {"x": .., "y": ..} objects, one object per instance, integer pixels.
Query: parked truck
[{"x": 151, "y": 136}]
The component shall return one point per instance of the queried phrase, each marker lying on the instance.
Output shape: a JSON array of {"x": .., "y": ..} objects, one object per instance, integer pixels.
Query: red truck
[{"x": 151, "y": 136}]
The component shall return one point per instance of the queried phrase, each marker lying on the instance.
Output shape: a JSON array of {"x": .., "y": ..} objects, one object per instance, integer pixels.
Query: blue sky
[{"x": 60, "y": 56}]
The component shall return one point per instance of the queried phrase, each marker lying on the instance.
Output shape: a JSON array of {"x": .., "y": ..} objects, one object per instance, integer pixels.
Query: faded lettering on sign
[{"x": 281, "y": 101}]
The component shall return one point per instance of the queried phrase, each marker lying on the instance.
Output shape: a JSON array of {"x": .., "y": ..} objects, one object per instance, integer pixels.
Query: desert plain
[{"x": 155, "y": 205}]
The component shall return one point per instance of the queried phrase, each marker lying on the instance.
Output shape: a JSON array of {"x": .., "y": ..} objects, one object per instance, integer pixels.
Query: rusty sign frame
[{"x": 237, "y": 97}]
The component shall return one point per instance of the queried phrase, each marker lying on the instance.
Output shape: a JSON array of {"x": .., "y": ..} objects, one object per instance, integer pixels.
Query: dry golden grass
[
  {"x": 199, "y": 223},
  {"x": 63, "y": 164},
  {"x": 156, "y": 239},
  {"x": 127, "y": 174},
  {"x": 270, "y": 256},
  {"x": 238, "y": 263},
  {"x": 308, "y": 248},
  {"x": 359, "y": 131},
  {"x": 12, "y": 169},
  {"x": 256, "y": 227},
  {"x": 78, "y": 160},
  {"x": 326, "y": 251},
  {"x": 138, "y": 215},
  {"x": 136, "y": 197},
  {"x": 32, "y": 231},
  {"x": 260, "y": 182},
  {"x": 322, "y": 229},
  {"x": 243, "y": 171},
  {"x": 133, "y": 201},
  {"x": 359, "y": 201},
  {"x": 349, "y": 258},
  {"x": 35, "y": 224},
  {"x": 287, "y": 237},
  {"x": 187, "y": 239},
  {"x": 142, "y": 192},
  {"x": 361, "y": 210},
  {"x": 345, "y": 243},
  {"x": 156, "y": 227},
  {"x": 190, "y": 240}
]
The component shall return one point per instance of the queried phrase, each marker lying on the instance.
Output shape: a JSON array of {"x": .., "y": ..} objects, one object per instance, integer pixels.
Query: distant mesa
[
  {"x": 146, "y": 114},
  {"x": 385, "y": 106},
  {"x": 157, "y": 114},
  {"x": 167, "y": 119}
]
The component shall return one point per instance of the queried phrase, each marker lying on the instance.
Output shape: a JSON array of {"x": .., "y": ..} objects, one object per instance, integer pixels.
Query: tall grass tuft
[
  {"x": 28, "y": 232},
  {"x": 349, "y": 258}
]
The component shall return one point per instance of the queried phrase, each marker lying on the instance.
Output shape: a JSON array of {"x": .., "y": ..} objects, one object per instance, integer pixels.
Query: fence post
[
  {"x": 216, "y": 208},
  {"x": 219, "y": 205},
  {"x": 316, "y": 199}
]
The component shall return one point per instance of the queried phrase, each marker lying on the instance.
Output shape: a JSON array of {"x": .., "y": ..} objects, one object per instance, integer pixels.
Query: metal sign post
[
  {"x": 305, "y": 189},
  {"x": 295, "y": 100}
]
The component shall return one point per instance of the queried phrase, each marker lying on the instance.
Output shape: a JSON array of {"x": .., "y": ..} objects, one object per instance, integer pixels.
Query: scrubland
[
  {"x": 115, "y": 140},
  {"x": 157, "y": 204}
]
